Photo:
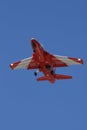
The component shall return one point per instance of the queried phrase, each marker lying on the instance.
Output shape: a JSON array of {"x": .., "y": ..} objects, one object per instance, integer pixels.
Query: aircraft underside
[
  {"x": 49, "y": 74},
  {"x": 46, "y": 63}
]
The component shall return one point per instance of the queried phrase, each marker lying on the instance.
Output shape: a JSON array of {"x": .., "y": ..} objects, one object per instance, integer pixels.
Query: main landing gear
[
  {"x": 38, "y": 70},
  {"x": 35, "y": 73}
]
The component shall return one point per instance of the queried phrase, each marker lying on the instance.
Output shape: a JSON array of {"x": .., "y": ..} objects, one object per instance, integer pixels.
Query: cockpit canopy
[{"x": 42, "y": 46}]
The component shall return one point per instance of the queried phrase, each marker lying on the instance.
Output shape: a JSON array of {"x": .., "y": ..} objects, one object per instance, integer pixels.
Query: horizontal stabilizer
[
  {"x": 60, "y": 76},
  {"x": 42, "y": 78}
]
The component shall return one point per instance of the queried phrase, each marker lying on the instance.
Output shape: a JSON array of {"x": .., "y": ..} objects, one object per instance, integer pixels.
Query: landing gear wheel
[
  {"x": 35, "y": 73},
  {"x": 34, "y": 50},
  {"x": 52, "y": 72}
]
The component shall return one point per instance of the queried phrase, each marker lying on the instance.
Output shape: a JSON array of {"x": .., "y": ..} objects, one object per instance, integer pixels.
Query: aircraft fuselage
[{"x": 44, "y": 59}]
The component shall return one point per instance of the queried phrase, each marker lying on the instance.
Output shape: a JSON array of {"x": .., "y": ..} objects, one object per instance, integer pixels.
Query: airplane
[{"x": 46, "y": 63}]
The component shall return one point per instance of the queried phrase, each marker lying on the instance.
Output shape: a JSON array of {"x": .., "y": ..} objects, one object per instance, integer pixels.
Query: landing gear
[
  {"x": 34, "y": 50},
  {"x": 48, "y": 67},
  {"x": 52, "y": 72},
  {"x": 35, "y": 73}
]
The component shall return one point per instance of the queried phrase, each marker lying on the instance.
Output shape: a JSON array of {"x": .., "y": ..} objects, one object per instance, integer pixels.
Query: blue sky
[{"x": 61, "y": 26}]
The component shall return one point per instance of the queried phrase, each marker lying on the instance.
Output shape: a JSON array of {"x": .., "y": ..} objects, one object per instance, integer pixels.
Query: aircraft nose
[{"x": 33, "y": 43}]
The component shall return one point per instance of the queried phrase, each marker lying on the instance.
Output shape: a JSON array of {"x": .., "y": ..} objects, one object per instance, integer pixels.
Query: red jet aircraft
[{"x": 46, "y": 63}]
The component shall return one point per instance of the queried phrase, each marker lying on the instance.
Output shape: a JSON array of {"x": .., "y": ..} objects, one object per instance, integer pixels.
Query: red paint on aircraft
[{"x": 46, "y": 63}]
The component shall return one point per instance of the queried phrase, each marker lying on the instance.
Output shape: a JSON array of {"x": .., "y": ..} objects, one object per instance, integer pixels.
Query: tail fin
[{"x": 60, "y": 76}]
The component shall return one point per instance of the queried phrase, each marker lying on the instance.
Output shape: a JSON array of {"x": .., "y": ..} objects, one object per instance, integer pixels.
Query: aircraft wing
[
  {"x": 61, "y": 61},
  {"x": 28, "y": 63}
]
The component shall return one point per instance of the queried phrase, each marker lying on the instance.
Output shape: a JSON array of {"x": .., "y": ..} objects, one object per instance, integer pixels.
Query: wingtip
[
  {"x": 78, "y": 60},
  {"x": 14, "y": 65},
  {"x": 11, "y": 66}
]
